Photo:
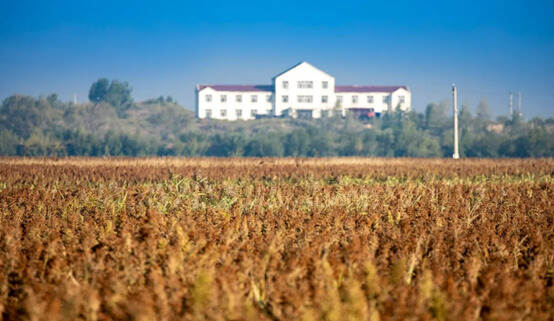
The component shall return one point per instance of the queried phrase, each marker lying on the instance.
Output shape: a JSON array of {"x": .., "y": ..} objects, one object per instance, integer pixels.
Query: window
[
  {"x": 268, "y": 98},
  {"x": 208, "y": 113},
  {"x": 223, "y": 98},
  {"x": 401, "y": 99},
  {"x": 385, "y": 99},
  {"x": 238, "y": 98},
  {"x": 285, "y": 99},
  {"x": 285, "y": 84},
  {"x": 254, "y": 98},
  {"x": 305, "y": 84},
  {"x": 355, "y": 99},
  {"x": 305, "y": 99},
  {"x": 323, "y": 99},
  {"x": 324, "y": 84},
  {"x": 208, "y": 98},
  {"x": 253, "y": 112},
  {"x": 325, "y": 113},
  {"x": 223, "y": 113},
  {"x": 339, "y": 99},
  {"x": 239, "y": 113},
  {"x": 370, "y": 99}
]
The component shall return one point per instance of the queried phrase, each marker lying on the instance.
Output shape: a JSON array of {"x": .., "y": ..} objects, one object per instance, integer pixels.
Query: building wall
[
  {"x": 397, "y": 94},
  {"x": 299, "y": 100},
  {"x": 382, "y": 101},
  {"x": 228, "y": 109},
  {"x": 347, "y": 100},
  {"x": 296, "y": 97}
]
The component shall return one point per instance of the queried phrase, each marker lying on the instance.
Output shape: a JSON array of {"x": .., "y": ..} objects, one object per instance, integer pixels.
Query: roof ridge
[{"x": 298, "y": 64}]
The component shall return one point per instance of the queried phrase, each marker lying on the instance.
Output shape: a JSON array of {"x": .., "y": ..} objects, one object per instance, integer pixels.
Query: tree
[
  {"x": 536, "y": 143},
  {"x": 487, "y": 145},
  {"x": 116, "y": 93},
  {"x": 466, "y": 129},
  {"x": 194, "y": 144},
  {"x": 464, "y": 116},
  {"x": 46, "y": 126},
  {"x": 226, "y": 145},
  {"x": 297, "y": 143},
  {"x": 24, "y": 114},
  {"x": 52, "y": 99},
  {"x": 385, "y": 142},
  {"x": 435, "y": 115},
  {"x": 119, "y": 93},
  {"x": 415, "y": 143},
  {"x": 99, "y": 90},
  {"x": 8, "y": 143},
  {"x": 483, "y": 112},
  {"x": 264, "y": 146}
]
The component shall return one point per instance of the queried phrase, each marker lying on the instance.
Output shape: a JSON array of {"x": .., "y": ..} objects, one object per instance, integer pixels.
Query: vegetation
[
  {"x": 113, "y": 124},
  {"x": 116, "y": 93},
  {"x": 276, "y": 239}
]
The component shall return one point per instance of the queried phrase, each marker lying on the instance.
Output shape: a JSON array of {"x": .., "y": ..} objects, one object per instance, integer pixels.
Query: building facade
[{"x": 301, "y": 91}]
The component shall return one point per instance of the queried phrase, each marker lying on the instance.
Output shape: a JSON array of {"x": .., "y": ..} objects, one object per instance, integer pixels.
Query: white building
[{"x": 300, "y": 91}]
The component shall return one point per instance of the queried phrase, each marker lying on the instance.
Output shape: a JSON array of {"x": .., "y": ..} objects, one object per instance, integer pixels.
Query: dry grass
[{"x": 276, "y": 239}]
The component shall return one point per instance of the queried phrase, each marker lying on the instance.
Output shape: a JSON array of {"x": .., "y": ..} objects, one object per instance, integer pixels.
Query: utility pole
[
  {"x": 455, "y": 100},
  {"x": 511, "y": 104}
]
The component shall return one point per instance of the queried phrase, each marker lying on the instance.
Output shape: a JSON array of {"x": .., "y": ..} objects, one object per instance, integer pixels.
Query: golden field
[{"x": 276, "y": 239}]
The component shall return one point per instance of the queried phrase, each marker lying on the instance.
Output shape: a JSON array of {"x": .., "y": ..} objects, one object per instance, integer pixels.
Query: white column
[{"x": 455, "y": 99}]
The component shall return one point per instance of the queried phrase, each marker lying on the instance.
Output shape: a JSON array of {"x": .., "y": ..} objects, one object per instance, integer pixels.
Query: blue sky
[{"x": 166, "y": 47}]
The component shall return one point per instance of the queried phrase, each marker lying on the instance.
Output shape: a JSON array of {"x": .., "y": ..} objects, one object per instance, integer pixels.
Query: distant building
[
  {"x": 495, "y": 127},
  {"x": 301, "y": 91}
]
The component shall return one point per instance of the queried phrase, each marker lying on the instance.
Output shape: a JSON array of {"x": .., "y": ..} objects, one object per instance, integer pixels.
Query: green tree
[
  {"x": 412, "y": 142},
  {"x": 23, "y": 115},
  {"x": 8, "y": 143},
  {"x": 487, "y": 145},
  {"x": 535, "y": 143},
  {"x": 466, "y": 130},
  {"x": 265, "y": 145},
  {"x": 99, "y": 90},
  {"x": 194, "y": 144},
  {"x": 52, "y": 99},
  {"x": 226, "y": 145},
  {"x": 483, "y": 111},
  {"x": 116, "y": 93},
  {"x": 435, "y": 115},
  {"x": 297, "y": 143},
  {"x": 119, "y": 94}
]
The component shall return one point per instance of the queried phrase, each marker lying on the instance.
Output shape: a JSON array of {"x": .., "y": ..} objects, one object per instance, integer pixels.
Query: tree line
[{"x": 113, "y": 124}]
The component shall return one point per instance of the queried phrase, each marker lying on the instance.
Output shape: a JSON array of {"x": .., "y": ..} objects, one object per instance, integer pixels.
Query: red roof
[
  {"x": 237, "y": 87},
  {"x": 363, "y": 89}
]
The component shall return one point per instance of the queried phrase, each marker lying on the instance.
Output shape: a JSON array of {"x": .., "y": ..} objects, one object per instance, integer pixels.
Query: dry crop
[{"x": 276, "y": 239}]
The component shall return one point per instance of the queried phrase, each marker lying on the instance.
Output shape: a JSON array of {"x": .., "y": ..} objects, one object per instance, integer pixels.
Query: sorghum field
[{"x": 276, "y": 239}]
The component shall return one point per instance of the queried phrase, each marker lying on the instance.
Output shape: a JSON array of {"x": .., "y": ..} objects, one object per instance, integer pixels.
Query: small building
[{"x": 302, "y": 91}]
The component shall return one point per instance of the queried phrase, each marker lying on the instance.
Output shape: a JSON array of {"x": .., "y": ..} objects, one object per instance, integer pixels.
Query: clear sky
[{"x": 166, "y": 47}]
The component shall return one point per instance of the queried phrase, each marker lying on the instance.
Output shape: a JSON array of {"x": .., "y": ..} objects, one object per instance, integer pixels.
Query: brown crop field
[{"x": 276, "y": 239}]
